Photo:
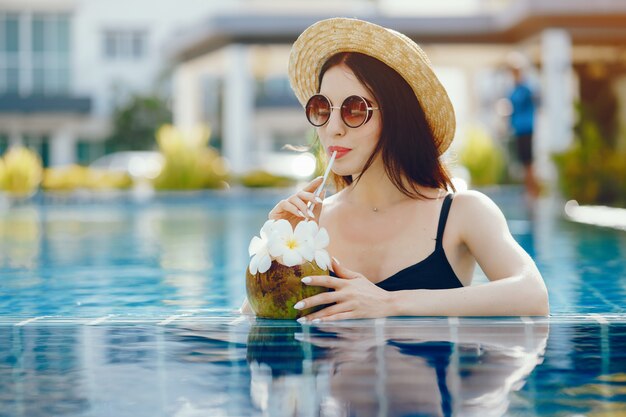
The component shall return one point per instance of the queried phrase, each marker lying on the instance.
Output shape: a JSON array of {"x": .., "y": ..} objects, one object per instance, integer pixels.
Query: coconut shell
[{"x": 273, "y": 294}]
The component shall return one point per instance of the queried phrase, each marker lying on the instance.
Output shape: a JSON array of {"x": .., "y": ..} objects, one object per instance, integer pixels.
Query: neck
[{"x": 375, "y": 190}]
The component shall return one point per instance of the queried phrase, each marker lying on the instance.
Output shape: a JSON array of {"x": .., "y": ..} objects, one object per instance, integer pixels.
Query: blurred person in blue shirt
[{"x": 523, "y": 106}]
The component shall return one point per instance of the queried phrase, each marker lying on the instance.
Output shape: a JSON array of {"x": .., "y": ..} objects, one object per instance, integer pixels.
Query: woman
[{"x": 373, "y": 98}]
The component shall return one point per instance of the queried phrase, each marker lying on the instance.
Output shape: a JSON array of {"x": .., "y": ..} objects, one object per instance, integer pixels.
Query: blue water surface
[
  {"x": 126, "y": 307},
  {"x": 180, "y": 252}
]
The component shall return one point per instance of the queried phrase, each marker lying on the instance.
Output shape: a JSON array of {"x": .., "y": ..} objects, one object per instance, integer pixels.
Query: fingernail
[
  {"x": 301, "y": 213},
  {"x": 299, "y": 305},
  {"x": 306, "y": 280},
  {"x": 301, "y": 320},
  {"x": 315, "y": 321},
  {"x": 311, "y": 213},
  {"x": 336, "y": 260},
  {"x": 319, "y": 200}
]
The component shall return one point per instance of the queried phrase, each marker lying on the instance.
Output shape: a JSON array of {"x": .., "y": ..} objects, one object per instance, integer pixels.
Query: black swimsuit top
[{"x": 432, "y": 273}]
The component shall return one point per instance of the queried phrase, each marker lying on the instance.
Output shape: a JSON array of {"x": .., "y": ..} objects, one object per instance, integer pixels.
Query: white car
[{"x": 138, "y": 164}]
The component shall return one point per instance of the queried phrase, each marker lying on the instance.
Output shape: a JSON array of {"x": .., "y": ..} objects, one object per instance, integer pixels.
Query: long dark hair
[{"x": 406, "y": 143}]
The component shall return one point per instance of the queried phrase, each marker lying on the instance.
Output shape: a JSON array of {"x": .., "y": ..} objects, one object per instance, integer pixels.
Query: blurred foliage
[
  {"x": 321, "y": 158},
  {"x": 20, "y": 171},
  {"x": 189, "y": 163},
  {"x": 136, "y": 122},
  {"x": 79, "y": 177},
  {"x": 260, "y": 178},
  {"x": 592, "y": 170},
  {"x": 482, "y": 157},
  {"x": 597, "y": 91}
]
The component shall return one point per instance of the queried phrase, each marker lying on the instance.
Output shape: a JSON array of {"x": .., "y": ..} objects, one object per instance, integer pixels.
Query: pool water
[
  {"x": 223, "y": 365},
  {"x": 127, "y": 308}
]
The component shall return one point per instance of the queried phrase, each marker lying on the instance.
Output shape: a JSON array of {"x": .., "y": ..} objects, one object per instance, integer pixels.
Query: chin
[
  {"x": 346, "y": 168},
  {"x": 345, "y": 172}
]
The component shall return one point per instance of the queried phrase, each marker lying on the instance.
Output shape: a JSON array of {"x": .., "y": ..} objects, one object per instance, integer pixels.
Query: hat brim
[{"x": 328, "y": 37}]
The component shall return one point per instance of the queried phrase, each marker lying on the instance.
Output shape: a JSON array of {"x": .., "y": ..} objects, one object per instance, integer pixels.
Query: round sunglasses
[{"x": 355, "y": 110}]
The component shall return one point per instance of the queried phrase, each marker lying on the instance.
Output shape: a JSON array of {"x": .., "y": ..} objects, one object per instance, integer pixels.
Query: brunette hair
[{"x": 408, "y": 147}]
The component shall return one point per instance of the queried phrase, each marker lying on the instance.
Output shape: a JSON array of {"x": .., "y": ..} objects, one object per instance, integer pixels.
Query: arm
[
  {"x": 516, "y": 287},
  {"x": 517, "y": 295}
]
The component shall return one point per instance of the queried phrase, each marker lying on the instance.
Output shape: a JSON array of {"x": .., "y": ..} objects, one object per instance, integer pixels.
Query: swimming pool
[{"x": 126, "y": 307}]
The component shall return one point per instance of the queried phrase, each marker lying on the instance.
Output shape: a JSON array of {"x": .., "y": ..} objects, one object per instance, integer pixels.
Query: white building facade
[{"x": 65, "y": 64}]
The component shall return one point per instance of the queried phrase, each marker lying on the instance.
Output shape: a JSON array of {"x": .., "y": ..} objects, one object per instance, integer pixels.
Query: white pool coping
[
  {"x": 234, "y": 320},
  {"x": 613, "y": 217}
]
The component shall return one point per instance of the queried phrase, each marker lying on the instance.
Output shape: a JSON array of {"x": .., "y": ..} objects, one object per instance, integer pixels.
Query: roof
[{"x": 587, "y": 21}]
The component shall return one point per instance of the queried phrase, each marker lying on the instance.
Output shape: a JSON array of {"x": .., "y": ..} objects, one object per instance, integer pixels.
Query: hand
[
  {"x": 294, "y": 208},
  {"x": 355, "y": 297}
]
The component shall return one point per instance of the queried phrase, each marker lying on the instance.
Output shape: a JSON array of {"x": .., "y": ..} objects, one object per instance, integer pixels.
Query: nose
[{"x": 335, "y": 126}]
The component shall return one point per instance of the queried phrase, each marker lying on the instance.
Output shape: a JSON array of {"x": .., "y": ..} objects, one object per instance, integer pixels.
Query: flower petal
[
  {"x": 282, "y": 228},
  {"x": 264, "y": 263},
  {"x": 313, "y": 230},
  {"x": 276, "y": 247},
  {"x": 322, "y": 239},
  {"x": 256, "y": 245},
  {"x": 307, "y": 251},
  {"x": 303, "y": 230},
  {"x": 267, "y": 229},
  {"x": 291, "y": 258},
  {"x": 322, "y": 259},
  {"x": 254, "y": 264}
]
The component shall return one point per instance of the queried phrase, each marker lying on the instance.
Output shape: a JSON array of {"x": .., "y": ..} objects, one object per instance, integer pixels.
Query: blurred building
[
  {"x": 64, "y": 64},
  {"x": 231, "y": 67}
]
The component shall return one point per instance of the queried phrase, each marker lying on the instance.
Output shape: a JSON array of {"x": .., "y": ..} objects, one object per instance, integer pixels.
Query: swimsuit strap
[{"x": 443, "y": 217}]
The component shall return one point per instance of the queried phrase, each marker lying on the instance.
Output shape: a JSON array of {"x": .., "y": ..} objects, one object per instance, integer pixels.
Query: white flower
[
  {"x": 320, "y": 240},
  {"x": 279, "y": 242},
  {"x": 261, "y": 260},
  {"x": 292, "y": 246}
]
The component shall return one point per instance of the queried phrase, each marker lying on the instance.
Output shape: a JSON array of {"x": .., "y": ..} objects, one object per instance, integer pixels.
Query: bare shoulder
[
  {"x": 476, "y": 211},
  {"x": 331, "y": 199},
  {"x": 472, "y": 200},
  {"x": 333, "y": 202}
]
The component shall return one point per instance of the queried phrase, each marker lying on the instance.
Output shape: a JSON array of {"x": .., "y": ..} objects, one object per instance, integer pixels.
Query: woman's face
[{"x": 354, "y": 145}]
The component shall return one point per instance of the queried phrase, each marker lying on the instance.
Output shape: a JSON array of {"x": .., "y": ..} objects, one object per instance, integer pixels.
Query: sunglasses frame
[{"x": 368, "y": 106}]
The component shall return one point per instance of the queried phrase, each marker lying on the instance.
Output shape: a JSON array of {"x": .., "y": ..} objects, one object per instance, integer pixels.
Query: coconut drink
[{"x": 281, "y": 257}]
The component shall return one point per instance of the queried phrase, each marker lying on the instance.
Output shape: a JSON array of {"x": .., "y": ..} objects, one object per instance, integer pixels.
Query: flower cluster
[{"x": 280, "y": 242}]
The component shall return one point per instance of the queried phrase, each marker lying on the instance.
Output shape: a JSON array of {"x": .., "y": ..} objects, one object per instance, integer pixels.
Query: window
[
  {"x": 125, "y": 44},
  {"x": 9, "y": 53},
  {"x": 50, "y": 53},
  {"x": 41, "y": 67}
]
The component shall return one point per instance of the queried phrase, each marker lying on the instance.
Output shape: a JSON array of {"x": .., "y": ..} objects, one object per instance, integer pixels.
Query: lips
[{"x": 341, "y": 151}]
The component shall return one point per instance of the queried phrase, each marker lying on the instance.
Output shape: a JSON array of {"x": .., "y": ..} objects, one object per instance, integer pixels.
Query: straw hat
[{"x": 331, "y": 36}]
